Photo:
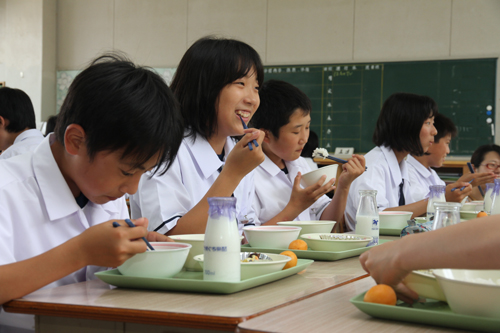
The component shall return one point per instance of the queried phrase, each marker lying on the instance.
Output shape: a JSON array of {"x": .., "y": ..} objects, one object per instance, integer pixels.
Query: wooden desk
[
  {"x": 95, "y": 306},
  {"x": 329, "y": 312}
]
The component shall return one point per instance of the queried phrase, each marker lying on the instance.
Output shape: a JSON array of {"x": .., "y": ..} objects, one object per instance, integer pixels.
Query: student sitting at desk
[
  {"x": 420, "y": 167},
  {"x": 117, "y": 122},
  {"x": 18, "y": 133},
  {"x": 485, "y": 159},
  {"x": 405, "y": 126},
  {"x": 284, "y": 116}
]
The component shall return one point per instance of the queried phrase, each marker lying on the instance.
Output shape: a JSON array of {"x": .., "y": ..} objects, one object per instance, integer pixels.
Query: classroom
[{"x": 45, "y": 44}]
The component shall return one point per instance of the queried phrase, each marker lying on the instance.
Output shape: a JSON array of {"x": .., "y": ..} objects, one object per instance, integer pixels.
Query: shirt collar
[
  {"x": 419, "y": 167},
  {"x": 204, "y": 156},
  {"x": 399, "y": 171},
  {"x": 28, "y": 134}
]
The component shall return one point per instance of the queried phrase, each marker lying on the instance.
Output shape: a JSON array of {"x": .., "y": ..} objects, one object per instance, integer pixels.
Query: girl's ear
[{"x": 74, "y": 139}]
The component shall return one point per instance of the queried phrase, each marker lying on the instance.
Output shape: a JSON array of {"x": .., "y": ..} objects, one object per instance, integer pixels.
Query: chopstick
[
  {"x": 463, "y": 187},
  {"x": 132, "y": 225},
  {"x": 336, "y": 159},
  {"x": 471, "y": 169},
  {"x": 250, "y": 143}
]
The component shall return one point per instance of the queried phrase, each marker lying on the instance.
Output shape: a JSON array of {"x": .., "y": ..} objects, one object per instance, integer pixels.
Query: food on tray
[
  {"x": 381, "y": 294},
  {"x": 255, "y": 257},
  {"x": 298, "y": 244},
  {"x": 481, "y": 214},
  {"x": 291, "y": 263},
  {"x": 320, "y": 152}
]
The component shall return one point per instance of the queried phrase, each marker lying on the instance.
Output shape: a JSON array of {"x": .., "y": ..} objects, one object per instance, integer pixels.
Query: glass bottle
[
  {"x": 447, "y": 213},
  {"x": 436, "y": 194},
  {"x": 488, "y": 196},
  {"x": 222, "y": 242},
  {"x": 495, "y": 198},
  {"x": 367, "y": 219}
]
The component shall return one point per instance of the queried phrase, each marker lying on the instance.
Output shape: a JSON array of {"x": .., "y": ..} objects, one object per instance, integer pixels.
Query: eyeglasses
[{"x": 492, "y": 165}]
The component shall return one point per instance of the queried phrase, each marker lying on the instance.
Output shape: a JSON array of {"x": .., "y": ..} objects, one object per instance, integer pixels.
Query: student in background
[
  {"x": 311, "y": 144},
  {"x": 18, "y": 133},
  {"x": 485, "y": 159},
  {"x": 284, "y": 116},
  {"x": 50, "y": 125},
  {"x": 405, "y": 126},
  {"x": 117, "y": 122},
  {"x": 217, "y": 81},
  {"x": 420, "y": 167}
]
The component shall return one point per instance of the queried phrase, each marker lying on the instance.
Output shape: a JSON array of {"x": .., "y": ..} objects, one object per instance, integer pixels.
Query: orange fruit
[
  {"x": 298, "y": 244},
  {"x": 291, "y": 263},
  {"x": 381, "y": 294},
  {"x": 481, "y": 214}
]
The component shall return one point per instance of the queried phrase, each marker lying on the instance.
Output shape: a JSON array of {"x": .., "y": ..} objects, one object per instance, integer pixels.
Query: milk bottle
[
  {"x": 367, "y": 220},
  {"x": 495, "y": 201},
  {"x": 436, "y": 194},
  {"x": 488, "y": 197},
  {"x": 222, "y": 242}
]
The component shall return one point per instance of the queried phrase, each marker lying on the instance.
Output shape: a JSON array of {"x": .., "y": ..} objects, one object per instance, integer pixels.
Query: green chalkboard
[{"x": 346, "y": 98}]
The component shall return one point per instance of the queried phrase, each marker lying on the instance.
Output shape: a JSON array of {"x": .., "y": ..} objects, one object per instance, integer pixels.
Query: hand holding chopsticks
[
  {"x": 132, "y": 225},
  {"x": 250, "y": 143}
]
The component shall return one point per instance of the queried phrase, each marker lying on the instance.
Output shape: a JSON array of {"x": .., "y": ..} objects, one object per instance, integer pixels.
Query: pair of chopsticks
[
  {"x": 336, "y": 159},
  {"x": 462, "y": 188},
  {"x": 250, "y": 143},
  {"x": 471, "y": 169},
  {"x": 132, "y": 225}
]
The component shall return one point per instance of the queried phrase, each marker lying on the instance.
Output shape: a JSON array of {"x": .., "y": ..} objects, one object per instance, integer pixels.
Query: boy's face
[
  {"x": 108, "y": 177},
  {"x": 293, "y": 137},
  {"x": 438, "y": 151}
]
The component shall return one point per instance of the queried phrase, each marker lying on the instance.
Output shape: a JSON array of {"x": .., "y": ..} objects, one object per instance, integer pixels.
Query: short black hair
[
  {"x": 478, "y": 156},
  {"x": 122, "y": 106},
  {"x": 400, "y": 121},
  {"x": 206, "y": 68},
  {"x": 444, "y": 126},
  {"x": 51, "y": 125},
  {"x": 278, "y": 101},
  {"x": 16, "y": 107}
]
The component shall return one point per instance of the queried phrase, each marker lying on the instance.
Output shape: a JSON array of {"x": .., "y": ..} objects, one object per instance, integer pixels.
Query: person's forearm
[
  {"x": 23, "y": 277},
  {"x": 195, "y": 221},
  {"x": 289, "y": 213},
  {"x": 418, "y": 208}
]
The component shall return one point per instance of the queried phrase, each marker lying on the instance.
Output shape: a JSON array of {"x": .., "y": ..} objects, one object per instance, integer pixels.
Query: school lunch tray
[
  {"x": 193, "y": 281},
  {"x": 315, "y": 255},
  {"x": 389, "y": 231},
  {"x": 432, "y": 312}
]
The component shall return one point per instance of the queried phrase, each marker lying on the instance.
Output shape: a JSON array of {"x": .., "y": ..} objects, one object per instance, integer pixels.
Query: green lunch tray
[
  {"x": 431, "y": 312},
  {"x": 193, "y": 281},
  {"x": 315, "y": 255}
]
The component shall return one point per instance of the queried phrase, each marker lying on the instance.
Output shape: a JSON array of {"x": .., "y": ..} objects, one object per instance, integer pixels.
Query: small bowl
[
  {"x": 468, "y": 215},
  {"x": 468, "y": 292},
  {"x": 314, "y": 242},
  {"x": 311, "y": 227},
  {"x": 394, "y": 219},
  {"x": 164, "y": 262},
  {"x": 272, "y": 236},
  {"x": 259, "y": 267},
  {"x": 425, "y": 285},
  {"x": 313, "y": 177},
  {"x": 197, "y": 241},
  {"x": 473, "y": 206}
]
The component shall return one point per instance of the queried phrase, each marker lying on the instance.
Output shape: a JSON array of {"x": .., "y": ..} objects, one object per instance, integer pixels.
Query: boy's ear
[
  {"x": 3, "y": 122},
  {"x": 267, "y": 136},
  {"x": 74, "y": 139}
]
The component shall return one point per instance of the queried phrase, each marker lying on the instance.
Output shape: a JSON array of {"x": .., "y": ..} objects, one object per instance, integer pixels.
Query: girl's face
[
  {"x": 491, "y": 163},
  {"x": 427, "y": 134},
  {"x": 238, "y": 98},
  {"x": 438, "y": 151}
]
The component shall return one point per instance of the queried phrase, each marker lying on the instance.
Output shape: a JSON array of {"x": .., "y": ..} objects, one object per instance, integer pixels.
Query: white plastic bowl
[
  {"x": 467, "y": 295},
  {"x": 197, "y": 241},
  {"x": 314, "y": 242},
  {"x": 394, "y": 219},
  {"x": 165, "y": 261},
  {"x": 425, "y": 285},
  {"x": 256, "y": 268},
  {"x": 313, "y": 177},
  {"x": 272, "y": 236},
  {"x": 311, "y": 227},
  {"x": 473, "y": 206}
]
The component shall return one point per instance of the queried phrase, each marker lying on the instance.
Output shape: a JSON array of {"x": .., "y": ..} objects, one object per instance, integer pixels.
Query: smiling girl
[
  {"x": 217, "y": 81},
  {"x": 405, "y": 126}
]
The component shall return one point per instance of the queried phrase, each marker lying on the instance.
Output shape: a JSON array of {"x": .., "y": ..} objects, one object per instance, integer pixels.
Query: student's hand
[
  {"x": 241, "y": 160},
  {"x": 154, "y": 236},
  {"x": 479, "y": 178},
  {"x": 303, "y": 198},
  {"x": 351, "y": 170},
  {"x": 382, "y": 263},
  {"x": 107, "y": 246},
  {"x": 457, "y": 195}
]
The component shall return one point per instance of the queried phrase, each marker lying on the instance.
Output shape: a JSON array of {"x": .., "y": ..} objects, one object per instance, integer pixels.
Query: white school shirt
[
  {"x": 164, "y": 199},
  {"x": 24, "y": 142},
  {"x": 38, "y": 211},
  {"x": 384, "y": 175},
  {"x": 273, "y": 189},
  {"x": 421, "y": 178}
]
